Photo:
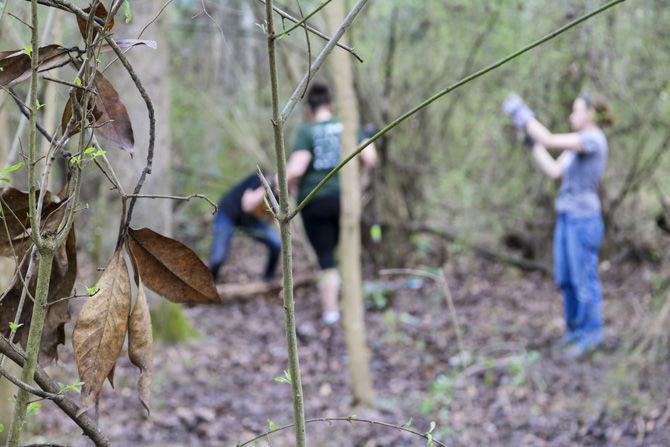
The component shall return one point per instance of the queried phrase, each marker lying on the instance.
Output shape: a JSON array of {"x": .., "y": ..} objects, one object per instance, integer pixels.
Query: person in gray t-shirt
[{"x": 579, "y": 227}]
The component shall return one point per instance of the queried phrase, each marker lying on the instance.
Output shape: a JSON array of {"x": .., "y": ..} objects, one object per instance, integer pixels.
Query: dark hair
[
  {"x": 603, "y": 116},
  {"x": 318, "y": 95}
]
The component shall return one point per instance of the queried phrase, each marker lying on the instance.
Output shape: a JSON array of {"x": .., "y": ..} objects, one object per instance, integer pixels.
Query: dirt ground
[{"x": 218, "y": 389}]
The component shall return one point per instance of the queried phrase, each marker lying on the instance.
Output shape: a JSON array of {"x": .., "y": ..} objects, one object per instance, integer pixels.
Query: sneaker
[
  {"x": 568, "y": 339},
  {"x": 330, "y": 318},
  {"x": 584, "y": 346}
]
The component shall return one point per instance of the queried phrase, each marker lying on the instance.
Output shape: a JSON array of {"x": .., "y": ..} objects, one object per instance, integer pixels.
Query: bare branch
[
  {"x": 313, "y": 30},
  {"x": 209, "y": 16},
  {"x": 149, "y": 23},
  {"x": 89, "y": 427},
  {"x": 52, "y": 139},
  {"x": 184, "y": 198},
  {"x": 69, "y": 84},
  {"x": 320, "y": 59},
  {"x": 303, "y": 19},
  {"x": 350, "y": 419},
  {"x": 24, "y": 386},
  {"x": 268, "y": 191}
]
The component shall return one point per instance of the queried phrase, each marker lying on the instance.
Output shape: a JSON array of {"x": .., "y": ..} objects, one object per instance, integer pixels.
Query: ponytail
[{"x": 602, "y": 115}]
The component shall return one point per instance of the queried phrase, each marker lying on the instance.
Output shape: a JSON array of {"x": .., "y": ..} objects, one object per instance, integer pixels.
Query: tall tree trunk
[{"x": 350, "y": 220}]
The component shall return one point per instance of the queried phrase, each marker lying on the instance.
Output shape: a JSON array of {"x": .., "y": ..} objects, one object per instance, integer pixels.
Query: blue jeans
[
  {"x": 224, "y": 228},
  {"x": 577, "y": 241}
]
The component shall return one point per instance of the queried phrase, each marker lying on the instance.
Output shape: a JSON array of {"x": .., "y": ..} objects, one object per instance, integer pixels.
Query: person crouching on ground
[{"x": 243, "y": 207}]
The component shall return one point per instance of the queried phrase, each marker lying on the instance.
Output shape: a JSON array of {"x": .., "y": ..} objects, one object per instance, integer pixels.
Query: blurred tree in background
[{"x": 456, "y": 164}]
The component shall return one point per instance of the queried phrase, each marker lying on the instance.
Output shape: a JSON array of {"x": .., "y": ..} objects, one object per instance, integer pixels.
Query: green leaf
[
  {"x": 99, "y": 152},
  {"x": 2, "y": 428},
  {"x": 271, "y": 425},
  {"x": 33, "y": 408},
  {"x": 12, "y": 168},
  {"x": 92, "y": 290},
  {"x": 28, "y": 50},
  {"x": 285, "y": 379},
  {"x": 13, "y": 326},
  {"x": 127, "y": 12},
  {"x": 89, "y": 150},
  {"x": 77, "y": 81},
  {"x": 39, "y": 105},
  {"x": 75, "y": 387}
]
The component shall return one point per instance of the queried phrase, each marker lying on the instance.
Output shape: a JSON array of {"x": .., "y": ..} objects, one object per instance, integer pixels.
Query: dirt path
[{"x": 220, "y": 389}]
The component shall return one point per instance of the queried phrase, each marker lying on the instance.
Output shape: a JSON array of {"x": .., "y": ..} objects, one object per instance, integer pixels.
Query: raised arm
[
  {"x": 524, "y": 119},
  {"x": 553, "y": 168},
  {"x": 561, "y": 141}
]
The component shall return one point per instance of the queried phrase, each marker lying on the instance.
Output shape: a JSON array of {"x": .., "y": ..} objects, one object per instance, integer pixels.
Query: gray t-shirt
[{"x": 578, "y": 195}]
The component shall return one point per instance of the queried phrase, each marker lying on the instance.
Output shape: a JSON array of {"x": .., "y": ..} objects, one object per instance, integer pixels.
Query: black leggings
[{"x": 321, "y": 218}]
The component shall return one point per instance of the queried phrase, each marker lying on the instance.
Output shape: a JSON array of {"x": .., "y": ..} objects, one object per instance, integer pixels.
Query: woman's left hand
[{"x": 517, "y": 109}]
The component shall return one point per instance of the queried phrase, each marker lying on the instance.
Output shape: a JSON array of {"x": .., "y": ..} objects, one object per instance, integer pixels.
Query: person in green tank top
[{"x": 316, "y": 152}]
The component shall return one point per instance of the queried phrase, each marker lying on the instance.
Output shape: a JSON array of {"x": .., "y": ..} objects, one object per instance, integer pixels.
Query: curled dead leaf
[
  {"x": 114, "y": 120},
  {"x": 110, "y": 116},
  {"x": 140, "y": 344},
  {"x": 101, "y": 329},
  {"x": 15, "y": 64},
  {"x": 63, "y": 275},
  {"x": 68, "y": 113},
  {"x": 15, "y": 223},
  {"x": 170, "y": 268},
  {"x": 100, "y": 13}
]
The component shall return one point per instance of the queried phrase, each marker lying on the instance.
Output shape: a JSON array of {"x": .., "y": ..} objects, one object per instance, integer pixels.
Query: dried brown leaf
[
  {"x": 110, "y": 376},
  {"x": 15, "y": 65},
  {"x": 110, "y": 115},
  {"x": 114, "y": 120},
  {"x": 14, "y": 220},
  {"x": 101, "y": 329},
  {"x": 63, "y": 275},
  {"x": 18, "y": 246},
  {"x": 101, "y": 13},
  {"x": 68, "y": 112},
  {"x": 170, "y": 268},
  {"x": 14, "y": 206},
  {"x": 140, "y": 344}
]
